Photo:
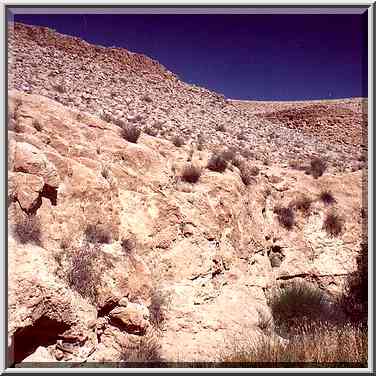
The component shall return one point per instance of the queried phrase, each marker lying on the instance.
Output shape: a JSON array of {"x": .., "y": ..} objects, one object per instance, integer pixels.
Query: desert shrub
[
  {"x": 324, "y": 345},
  {"x": 145, "y": 350},
  {"x": 158, "y": 307},
  {"x": 147, "y": 98},
  {"x": 246, "y": 174},
  {"x": 97, "y": 234},
  {"x": 238, "y": 161},
  {"x": 254, "y": 171},
  {"x": 333, "y": 224},
  {"x": 286, "y": 216},
  {"x": 220, "y": 128},
  {"x": 200, "y": 142},
  {"x": 81, "y": 274},
  {"x": 303, "y": 204},
  {"x": 131, "y": 133},
  {"x": 191, "y": 174},
  {"x": 128, "y": 245},
  {"x": 265, "y": 320},
  {"x": 106, "y": 116},
  {"x": 60, "y": 88},
  {"x": 27, "y": 229},
  {"x": 228, "y": 154},
  {"x": 327, "y": 197},
  {"x": 242, "y": 136},
  {"x": 217, "y": 163},
  {"x": 355, "y": 299},
  {"x": 297, "y": 304},
  {"x": 151, "y": 131},
  {"x": 296, "y": 165},
  {"x": 317, "y": 167},
  {"x": 178, "y": 141},
  {"x": 105, "y": 172},
  {"x": 246, "y": 153},
  {"x": 37, "y": 125}
]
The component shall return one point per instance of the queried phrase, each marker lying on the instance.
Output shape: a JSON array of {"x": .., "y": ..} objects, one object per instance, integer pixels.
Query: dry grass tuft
[
  {"x": 159, "y": 305},
  {"x": 97, "y": 234},
  {"x": 286, "y": 216},
  {"x": 178, "y": 141},
  {"x": 327, "y": 197},
  {"x": 247, "y": 174},
  {"x": 317, "y": 167},
  {"x": 82, "y": 276},
  {"x": 131, "y": 133},
  {"x": 217, "y": 163},
  {"x": 324, "y": 345},
  {"x": 220, "y": 128},
  {"x": 146, "y": 351},
  {"x": 333, "y": 224},
  {"x": 229, "y": 154},
  {"x": 303, "y": 204},
  {"x": 27, "y": 229},
  {"x": 128, "y": 245},
  {"x": 191, "y": 174}
]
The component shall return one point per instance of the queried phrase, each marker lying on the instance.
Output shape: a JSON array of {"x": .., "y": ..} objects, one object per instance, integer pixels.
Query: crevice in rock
[
  {"x": 275, "y": 255},
  {"x": 107, "y": 308},
  {"x": 49, "y": 192},
  {"x": 44, "y": 332}
]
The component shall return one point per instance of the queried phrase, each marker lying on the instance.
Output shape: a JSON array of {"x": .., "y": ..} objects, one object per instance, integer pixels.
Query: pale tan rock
[
  {"x": 133, "y": 318},
  {"x": 40, "y": 355},
  {"x": 31, "y": 160}
]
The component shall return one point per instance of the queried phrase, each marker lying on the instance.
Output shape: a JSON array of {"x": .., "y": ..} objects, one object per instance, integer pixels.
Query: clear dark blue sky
[{"x": 264, "y": 57}]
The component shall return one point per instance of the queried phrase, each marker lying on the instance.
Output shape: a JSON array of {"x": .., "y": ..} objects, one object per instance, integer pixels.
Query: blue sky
[{"x": 261, "y": 57}]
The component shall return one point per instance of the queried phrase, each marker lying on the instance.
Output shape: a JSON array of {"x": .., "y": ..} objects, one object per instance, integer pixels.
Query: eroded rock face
[{"x": 201, "y": 256}]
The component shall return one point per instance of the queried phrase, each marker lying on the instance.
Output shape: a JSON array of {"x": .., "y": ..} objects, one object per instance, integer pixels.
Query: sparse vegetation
[
  {"x": 322, "y": 346},
  {"x": 128, "y": 245},
  {"x": 317, "y": 167},
  {"x": 200, "y": 142},
  {"x": 178, "y": 141},
  {"x": 246, "y": 153},
  {"x": 131, "y": 133},
  {"x": 306, "y": 319},
  {"x": 217, "y": 163},
  {"x": 105, "y": 172},
  {"x": 327, "y": 197},
  {"x": 228, "y": 154},
  {"x": 238, "y": 161},
  {"x": 151, "y": 131},
  {"x": 355, "y": 299},
  {"x": 158, "y": 307},
  {"x": 191, "y": 174},
  {"x": 303, "y": 204},
  {"x": 82, "y": 276},
  {"x": 146, "y": 351},
  {"x": 333, "y": 224},
  {"x": 220, "y": 128},
  {"x": 286, "y": 216},
  {"x": 98, "y": 234},
  {"x": 37, "y": 125},
  {"x": 27, "y": 229},
  {"x": 297, "y": 304},
  {"x": 246, "y": 174}
]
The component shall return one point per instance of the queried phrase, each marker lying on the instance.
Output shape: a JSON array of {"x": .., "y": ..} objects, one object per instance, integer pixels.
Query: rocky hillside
[
  {"x": 117, "y": 244},
  {"x": 121, "y": 86}
]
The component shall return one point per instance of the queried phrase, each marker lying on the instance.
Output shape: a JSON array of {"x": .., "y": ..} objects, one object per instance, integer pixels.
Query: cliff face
[{"x": 105, "y": 236}]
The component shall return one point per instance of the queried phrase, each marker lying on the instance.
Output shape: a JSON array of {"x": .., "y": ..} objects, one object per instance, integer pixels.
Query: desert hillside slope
[
  {"x": 121, "y": 86},
  {"x": 109, "y": 234}
]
